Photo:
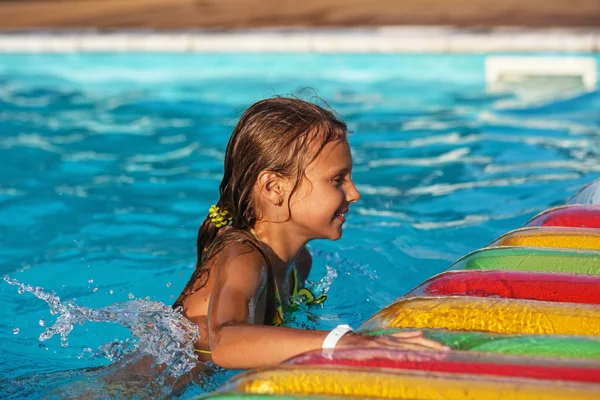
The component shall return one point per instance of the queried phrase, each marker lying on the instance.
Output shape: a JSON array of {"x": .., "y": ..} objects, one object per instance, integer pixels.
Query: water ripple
[
  {"x": 453, "y": 156},
  {"x": 444, "y": 189},
  {"x": 182, "y": 152},
  {"x": 570, "y": 127}
]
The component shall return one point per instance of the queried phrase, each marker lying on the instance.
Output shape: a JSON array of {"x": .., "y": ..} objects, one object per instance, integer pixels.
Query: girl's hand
[{"x": 413, "y": 340}]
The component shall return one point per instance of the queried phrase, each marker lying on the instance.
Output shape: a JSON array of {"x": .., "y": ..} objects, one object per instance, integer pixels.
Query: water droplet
[
  {"x": 20, "y": 291},
  {"x": 42, "y": 322},
  {"x": 95, "y": 290},
  {"x": 168, "y": 284},
  {"x": 111, "y": 291},
  {"x": 131, "y": 296},
  {"x": 90, "y": 281},
  {"x": 15, "y": 331}
]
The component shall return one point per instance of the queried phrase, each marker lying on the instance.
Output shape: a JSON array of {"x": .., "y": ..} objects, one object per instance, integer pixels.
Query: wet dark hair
[{"x": 282, "y": 135}]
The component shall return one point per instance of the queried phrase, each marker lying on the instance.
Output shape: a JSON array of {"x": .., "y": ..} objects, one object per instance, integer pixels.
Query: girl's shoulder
[{"x": 242, "y": 258}]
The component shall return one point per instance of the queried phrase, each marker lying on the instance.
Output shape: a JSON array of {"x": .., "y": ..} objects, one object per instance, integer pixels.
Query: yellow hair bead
[{"x": 219, "y": 217}]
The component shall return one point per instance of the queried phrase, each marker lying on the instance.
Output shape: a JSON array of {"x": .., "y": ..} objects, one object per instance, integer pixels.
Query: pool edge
[{"x": 384, "y": 39}]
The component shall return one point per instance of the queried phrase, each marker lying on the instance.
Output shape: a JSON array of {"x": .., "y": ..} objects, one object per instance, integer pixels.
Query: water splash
[
  {"x": 341, "y": 263},
  {"x": 157, "y": 330},
  {"x": 323, "y": 284}
]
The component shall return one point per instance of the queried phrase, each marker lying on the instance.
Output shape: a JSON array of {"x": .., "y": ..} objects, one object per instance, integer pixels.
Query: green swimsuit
[{"x": 310, "y": 299}]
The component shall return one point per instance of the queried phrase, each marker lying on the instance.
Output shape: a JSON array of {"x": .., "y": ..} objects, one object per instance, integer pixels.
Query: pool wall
[{"x": 381, "y": 39}]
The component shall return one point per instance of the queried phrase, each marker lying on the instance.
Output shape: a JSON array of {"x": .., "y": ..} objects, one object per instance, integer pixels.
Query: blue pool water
[{"x": 109, "y": 163}]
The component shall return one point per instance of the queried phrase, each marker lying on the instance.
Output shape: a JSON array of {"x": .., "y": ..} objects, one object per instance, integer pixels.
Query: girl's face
[{"x": 319, "y": 206}]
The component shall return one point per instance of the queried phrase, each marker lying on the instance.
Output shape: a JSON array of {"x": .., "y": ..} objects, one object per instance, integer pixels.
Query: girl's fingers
[
  {"x": 407, "y": 346},
  {"x": 431, "y": 344},
  {"x": 417, "y": 342},
  {"x": 407, "y": 334}
]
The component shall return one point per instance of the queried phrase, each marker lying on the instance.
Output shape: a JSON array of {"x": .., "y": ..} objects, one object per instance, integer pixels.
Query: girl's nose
[{"x": 353, "y": 195}]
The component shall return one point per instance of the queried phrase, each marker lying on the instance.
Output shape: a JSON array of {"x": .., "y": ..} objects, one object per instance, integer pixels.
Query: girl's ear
[{"x": 271, "y": 187}]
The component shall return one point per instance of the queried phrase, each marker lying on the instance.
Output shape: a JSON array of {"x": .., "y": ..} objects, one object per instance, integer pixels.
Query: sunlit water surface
[{"x": 110, "y": 162}]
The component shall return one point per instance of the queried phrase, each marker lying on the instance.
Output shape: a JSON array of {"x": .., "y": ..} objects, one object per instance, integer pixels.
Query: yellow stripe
[
  {"x": 489, "y": 315},
  {"x": 572, "y": 238},
  {"x": 295, "y": 380}
]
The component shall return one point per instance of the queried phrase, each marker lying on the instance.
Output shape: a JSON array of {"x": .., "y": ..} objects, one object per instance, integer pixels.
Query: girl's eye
[{"x": 338, "y": 180}]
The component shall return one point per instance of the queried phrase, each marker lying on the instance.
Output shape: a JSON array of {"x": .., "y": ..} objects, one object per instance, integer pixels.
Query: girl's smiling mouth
[{"x": 341, "y": 215}]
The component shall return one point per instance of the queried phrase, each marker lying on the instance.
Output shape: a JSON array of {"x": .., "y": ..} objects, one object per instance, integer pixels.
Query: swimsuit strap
[
  {"x": 278, "y": 316},
  {"x": 295, "y": 278}
]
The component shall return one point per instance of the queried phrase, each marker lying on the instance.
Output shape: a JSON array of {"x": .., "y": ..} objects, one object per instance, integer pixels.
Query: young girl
[{"x": 287, "y": 180}]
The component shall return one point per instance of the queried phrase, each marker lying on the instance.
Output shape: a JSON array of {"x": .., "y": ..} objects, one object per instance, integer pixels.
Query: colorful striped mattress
[{"x": 521, "y": 315}]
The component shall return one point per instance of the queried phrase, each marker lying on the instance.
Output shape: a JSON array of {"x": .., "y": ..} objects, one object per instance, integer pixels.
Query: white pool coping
[{"x": 385, "y": 39}]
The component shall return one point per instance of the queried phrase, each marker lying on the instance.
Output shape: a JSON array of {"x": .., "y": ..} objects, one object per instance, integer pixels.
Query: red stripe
[
  {"x": 570, "y": 373},
  {"x": 575, "y": 216},
  {"x": 514, "y": 285}
]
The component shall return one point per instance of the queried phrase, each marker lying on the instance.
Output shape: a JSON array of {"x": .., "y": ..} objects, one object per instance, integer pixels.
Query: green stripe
[
  {"x": 531, "y": 345},
  {"x": 532, "y": 259}
]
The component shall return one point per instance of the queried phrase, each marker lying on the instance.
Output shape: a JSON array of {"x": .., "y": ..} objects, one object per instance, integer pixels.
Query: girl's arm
[{"x": 239, "y": 340}]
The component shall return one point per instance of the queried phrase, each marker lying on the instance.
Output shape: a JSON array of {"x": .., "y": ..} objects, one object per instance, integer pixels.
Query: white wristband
[{"x": 334, "y": 336}]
